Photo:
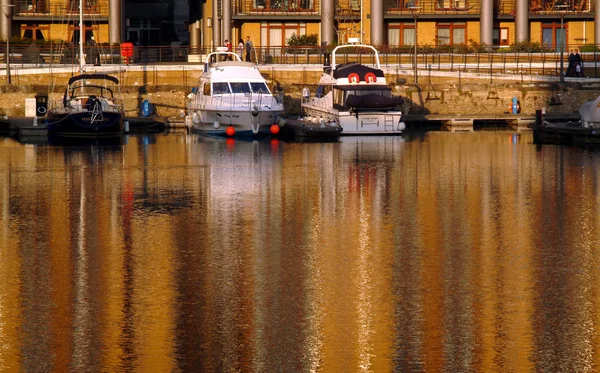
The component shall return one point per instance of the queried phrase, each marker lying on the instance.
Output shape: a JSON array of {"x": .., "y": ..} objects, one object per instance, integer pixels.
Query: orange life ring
[
  {"x": 370, "y": 78},
  {"x": 353, "y": 78}
]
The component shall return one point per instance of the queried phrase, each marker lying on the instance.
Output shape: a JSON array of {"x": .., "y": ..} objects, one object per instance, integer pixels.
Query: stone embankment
[{"x": 167, "y": 90}]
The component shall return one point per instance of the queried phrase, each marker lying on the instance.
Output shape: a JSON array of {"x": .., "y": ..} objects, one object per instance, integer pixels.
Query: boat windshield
[
  {"x": 220, "y": 88},
  {"x": 259, "y": 87},
  {"x": 240, "y": 87},
  {"x": 91, "y": 90}
]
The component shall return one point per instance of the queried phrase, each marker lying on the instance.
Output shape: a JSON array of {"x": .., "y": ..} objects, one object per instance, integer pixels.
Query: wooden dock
[
  {"x": 468, "y": 122},
  {"x": 571, "y": 132}
]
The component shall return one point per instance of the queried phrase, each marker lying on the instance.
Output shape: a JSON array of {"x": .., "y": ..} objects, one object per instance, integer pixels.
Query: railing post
[{"x": 543, "y": 62}]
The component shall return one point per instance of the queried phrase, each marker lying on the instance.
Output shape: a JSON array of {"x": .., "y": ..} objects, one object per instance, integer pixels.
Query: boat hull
[
  {"x": 81, "y": 125},
  {"x": 245, "y": 123},
  {"x": 360, "y": 123}
]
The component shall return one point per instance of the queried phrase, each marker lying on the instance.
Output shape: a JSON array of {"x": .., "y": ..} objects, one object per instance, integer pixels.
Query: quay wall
[{"x": 443, "y": 94}]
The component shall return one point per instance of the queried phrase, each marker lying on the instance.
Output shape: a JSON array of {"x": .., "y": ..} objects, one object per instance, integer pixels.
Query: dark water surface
[{"x": 440, "y": 252}]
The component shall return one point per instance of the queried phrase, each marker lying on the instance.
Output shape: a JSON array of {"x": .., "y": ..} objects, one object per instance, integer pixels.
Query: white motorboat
[
  {"x": 590, "y": 113},
  {"x": 232, "y": 98},
  {"x": 355, "y": 96}
]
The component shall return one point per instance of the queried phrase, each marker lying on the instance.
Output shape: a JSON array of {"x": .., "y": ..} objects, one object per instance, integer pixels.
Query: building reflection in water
[{"x": 437, "y": 252}]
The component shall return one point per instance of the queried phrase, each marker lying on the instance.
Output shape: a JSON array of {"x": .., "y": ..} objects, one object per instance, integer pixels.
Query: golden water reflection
[{"x": 431, "y": 252}]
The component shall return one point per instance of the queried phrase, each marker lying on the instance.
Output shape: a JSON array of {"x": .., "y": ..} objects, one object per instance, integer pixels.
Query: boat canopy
[
  {"x": 93, "y": 76},
  {"x": 363, "y": 87},
  {"x": 343, "y": 71}
]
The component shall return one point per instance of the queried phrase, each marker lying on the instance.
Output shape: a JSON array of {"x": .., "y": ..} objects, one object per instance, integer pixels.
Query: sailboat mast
[{"x": 81, "y": 36}]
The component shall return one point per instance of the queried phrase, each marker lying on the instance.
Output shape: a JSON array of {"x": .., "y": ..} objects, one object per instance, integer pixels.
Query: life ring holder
[
  {"x": 353, "y": 78},
  {"x": 370, "y": 77}
]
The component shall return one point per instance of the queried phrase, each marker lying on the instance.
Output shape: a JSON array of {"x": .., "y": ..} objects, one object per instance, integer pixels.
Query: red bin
[{"x": 127, "y": 51}]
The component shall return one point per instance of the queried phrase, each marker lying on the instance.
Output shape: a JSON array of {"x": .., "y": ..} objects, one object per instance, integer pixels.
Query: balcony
[
  {"x": 46, "y": 8},
  {"x": 550, "y": 8},
  {"x": 560, "y": 6},
  {"x": 438, "y": 7},
  {"x": 276, "y": 7}
]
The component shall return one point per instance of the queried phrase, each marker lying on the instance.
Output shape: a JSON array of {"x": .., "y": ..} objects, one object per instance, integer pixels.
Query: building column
[
  {"x": 522, "y": 21},
  {"x": 6, "y": 18},
  {"x": 327, "y": 22},
  {"x": 216, "y": 26},
  {"x": 115, "y": 21},
  {"x": 377, "y": 25},
  {"x": 486, "y": 21},
  {"x": 227, "y": 21},
  {"x": 194, "y": 30},
  {"x": 597, "y": 22}
]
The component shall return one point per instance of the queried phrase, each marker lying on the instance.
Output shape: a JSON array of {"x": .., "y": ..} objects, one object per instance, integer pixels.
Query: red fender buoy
[
  {"x": 353, "y": 78},
  {"x": 370, "y": 78}
]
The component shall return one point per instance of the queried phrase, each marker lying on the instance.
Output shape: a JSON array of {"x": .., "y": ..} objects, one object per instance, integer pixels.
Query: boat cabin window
[
  {"x": 220, "y": 88},
  {"x": 206, "y": 89},
  {"x": 322, "y": 91},
  {"x": 361, "y": 92},
  {"x": 240, "y": 87},
  {"x": 259, "y": 87},
  {"x": 338, "y": 98}
]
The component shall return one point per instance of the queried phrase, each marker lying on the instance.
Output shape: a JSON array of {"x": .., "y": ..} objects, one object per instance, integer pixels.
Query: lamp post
[
  {"x": 562, "y": 8},
  {"x": 7, "y": 55},
  {"x": 413, "y": 11}
]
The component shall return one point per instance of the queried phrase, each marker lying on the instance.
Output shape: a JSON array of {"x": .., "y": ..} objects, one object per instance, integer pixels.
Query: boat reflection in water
[{"x": 433, "y": 252}]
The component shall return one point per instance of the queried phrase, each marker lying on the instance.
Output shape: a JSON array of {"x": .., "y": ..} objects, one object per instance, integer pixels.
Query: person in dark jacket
[
  {"x": 92, "y": 52},
  {"x": 571, "y": 65}
]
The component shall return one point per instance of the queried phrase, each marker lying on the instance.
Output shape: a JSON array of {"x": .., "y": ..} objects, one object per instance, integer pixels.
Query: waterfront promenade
[{"x": 438, "y": 92}]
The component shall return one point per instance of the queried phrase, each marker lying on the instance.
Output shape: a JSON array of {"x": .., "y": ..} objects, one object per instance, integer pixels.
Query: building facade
[{"x": 270, "y": 23}]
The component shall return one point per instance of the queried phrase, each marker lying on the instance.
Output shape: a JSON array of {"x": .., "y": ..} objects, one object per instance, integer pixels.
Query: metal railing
[
  {"x": 69, "y": 8},
  {"x": 343, "y": 8},
  {"x": 497, "y": 60}
]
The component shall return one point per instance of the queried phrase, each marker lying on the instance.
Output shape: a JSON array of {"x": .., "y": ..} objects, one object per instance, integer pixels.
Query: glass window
[
  {"x": 393, "y": 36},
  {"x": 240, "y": 87},
  {"x": 547, "y": 37},
  {"x": 259, "y": 88},
  {"x": 409, "y": 36},
  {"x": 338, "y": 98},
  {"x": 220, "y": 88},
  {"x": 560, "y": 37},
  {"x": 458, "y": 35},
  {"x": 443, "y": 36}
]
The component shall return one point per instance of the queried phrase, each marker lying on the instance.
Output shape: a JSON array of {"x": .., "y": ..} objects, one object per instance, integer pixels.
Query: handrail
[{"x": 541, "y": 61}]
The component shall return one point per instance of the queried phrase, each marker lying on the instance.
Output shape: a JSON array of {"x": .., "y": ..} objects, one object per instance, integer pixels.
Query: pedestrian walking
[{"x": 571, "y": 66}]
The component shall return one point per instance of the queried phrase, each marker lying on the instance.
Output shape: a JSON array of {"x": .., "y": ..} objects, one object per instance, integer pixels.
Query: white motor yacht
[
  {"x": 355, "y": 96},
  {"x": 232, "y": 98}
]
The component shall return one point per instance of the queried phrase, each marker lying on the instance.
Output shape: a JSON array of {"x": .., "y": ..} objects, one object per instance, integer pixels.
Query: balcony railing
[
  {"x": 271, "y": 7},
  {"x": 68, "y": 9},
  {"x": 434, "y": 7}
]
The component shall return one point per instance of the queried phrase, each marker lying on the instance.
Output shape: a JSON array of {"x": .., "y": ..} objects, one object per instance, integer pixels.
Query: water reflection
[{"x": 427, "y": 252}]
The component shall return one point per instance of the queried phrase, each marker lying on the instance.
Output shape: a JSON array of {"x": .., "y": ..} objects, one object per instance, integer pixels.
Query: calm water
[{"x": 442, "y": 252}]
